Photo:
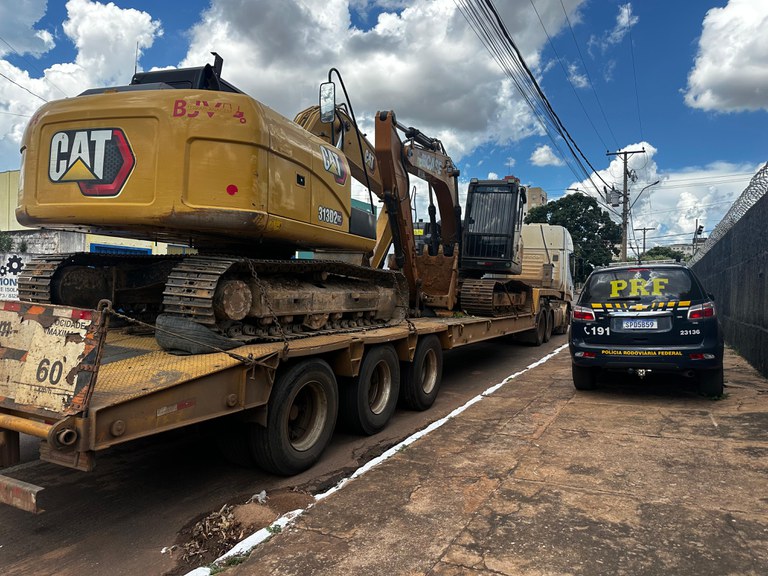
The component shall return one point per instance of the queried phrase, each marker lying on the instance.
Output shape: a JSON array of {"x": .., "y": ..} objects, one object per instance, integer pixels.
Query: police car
[{"x": 646, "y": 318}]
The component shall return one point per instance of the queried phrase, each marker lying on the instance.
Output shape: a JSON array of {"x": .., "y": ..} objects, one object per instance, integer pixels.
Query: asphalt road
[{"x": 117, "y": 519}]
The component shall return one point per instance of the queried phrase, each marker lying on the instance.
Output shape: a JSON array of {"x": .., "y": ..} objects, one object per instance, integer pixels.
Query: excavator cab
[{"x": 491, "y": 233}]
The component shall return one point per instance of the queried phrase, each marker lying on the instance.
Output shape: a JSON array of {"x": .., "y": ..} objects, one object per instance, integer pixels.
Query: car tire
[
  {"x": 583, "y": 378},
  {"x": 711, "y": 382}
]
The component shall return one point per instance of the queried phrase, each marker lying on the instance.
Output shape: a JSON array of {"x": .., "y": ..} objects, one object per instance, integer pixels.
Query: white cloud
[
  {"x": 105, "y": 37},
  {"x": 578, "y": 79},
  {"x": 17, "y": 28},
  {"x": 421, "y": 60},
  {"x": 730, "y": 73},
  {"x": 671, "y": 208},
  {"x": 625, "y": 19},
  {"x": 544, "y": 156}
]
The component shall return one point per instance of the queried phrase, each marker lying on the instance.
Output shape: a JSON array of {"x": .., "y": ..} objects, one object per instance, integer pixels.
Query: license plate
[{"x": 639, "y": 324}]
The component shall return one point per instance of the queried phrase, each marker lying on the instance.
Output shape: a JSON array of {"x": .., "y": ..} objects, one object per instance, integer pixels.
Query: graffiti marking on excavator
[{"x": 203, "y": 108}]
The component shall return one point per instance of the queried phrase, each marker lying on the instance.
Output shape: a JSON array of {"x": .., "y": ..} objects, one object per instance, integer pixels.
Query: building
[
  {"x": 28, "y": 242},
  {"x": 41, "y": 241}
]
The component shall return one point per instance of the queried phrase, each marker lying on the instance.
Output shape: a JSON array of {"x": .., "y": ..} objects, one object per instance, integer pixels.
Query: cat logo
[
  {"x": 333, "y": 163},
  {"x": 99, "y": 161}
]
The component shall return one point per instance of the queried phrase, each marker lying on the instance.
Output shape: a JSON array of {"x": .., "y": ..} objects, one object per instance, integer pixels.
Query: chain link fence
[{"x": 733, "y": 265}]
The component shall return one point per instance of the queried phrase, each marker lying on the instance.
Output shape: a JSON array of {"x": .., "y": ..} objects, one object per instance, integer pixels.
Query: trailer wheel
[
  {"x": 369, "y": 400},
  {"x": 301, "y": 416},
  {"x": 563, "y": 328},
  {"x": 550, "y": 315},
  {"x": 535, "y": 336},
  {"x": 421, "y": 378}
]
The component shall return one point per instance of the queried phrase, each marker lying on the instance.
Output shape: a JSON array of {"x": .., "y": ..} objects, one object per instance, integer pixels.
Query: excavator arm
[{"x": 384, "y": 170}]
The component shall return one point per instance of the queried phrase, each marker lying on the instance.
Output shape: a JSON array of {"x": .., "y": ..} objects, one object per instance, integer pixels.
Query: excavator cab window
[{"x": 492, "y": 226}]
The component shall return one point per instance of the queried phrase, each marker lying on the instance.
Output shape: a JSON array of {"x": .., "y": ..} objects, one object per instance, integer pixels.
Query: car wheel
[
  {"x": 711, "y": 382},
  {"x": 583, "y": 378}
]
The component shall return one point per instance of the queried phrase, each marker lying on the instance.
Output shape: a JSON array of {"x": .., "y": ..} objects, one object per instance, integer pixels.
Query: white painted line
[{"x": 249, "y": 543}]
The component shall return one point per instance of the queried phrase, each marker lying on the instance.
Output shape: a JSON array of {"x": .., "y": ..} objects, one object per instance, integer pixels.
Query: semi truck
[{"x": 100, "y": 350}]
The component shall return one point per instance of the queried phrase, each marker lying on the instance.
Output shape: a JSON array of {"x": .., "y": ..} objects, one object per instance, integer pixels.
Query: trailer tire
[
  {"x": 301, "y": 417},
  {"x": 368, "y": 401},
  {"x": 563, "y": 328},
  {"x": 535, "y": 336},
  {"x": 550, "y": 315},
  {"x": 421, "y": 378}
]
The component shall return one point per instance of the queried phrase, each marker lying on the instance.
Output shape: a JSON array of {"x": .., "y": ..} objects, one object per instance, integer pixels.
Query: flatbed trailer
[{"x": 82, "y": 386}]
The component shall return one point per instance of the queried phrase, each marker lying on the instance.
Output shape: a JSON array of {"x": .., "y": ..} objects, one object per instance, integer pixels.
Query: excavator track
[
  {"x": 492, "y": 297},
  {"x": 238, "y": 298},
  {"x": 250, "y": 298},
  {"x": 35, "y": 278},
  {"x": 82, "y": 279}
]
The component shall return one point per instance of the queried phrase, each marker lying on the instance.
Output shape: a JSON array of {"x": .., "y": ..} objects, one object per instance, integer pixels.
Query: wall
[
  {"x": 9, "y": 191},
  {"x": 735, "y": 270}
]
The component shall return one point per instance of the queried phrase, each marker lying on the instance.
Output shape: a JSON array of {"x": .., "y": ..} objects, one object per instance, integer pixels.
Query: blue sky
[{"x": 685, "y": 80}]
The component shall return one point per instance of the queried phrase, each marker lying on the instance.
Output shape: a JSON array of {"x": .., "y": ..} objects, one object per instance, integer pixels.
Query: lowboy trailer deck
[{"x": 82, "y": 386}]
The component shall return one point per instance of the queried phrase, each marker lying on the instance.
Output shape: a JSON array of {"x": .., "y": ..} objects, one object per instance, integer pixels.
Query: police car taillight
[
  {"x": 581, "y": 313},
  {"x": 701, "y": 311}
]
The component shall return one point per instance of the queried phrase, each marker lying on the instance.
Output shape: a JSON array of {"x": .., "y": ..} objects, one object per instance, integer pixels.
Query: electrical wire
[
  {"x": 22, "y": 87},
  {"x": 32, "y": 65},
  {"x": 628, "y": 7},
  {"x": 492, "y": 32},
  {"x": 567, "y": 76},
  {"x": 589, "y": 77}
]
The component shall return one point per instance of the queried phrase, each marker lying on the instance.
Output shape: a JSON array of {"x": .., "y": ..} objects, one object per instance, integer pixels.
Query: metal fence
[{"x": 733, "y": 265}]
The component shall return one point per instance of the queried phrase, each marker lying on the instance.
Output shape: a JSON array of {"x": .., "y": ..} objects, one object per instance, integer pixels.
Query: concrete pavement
[{"x": 636, "y": 478}]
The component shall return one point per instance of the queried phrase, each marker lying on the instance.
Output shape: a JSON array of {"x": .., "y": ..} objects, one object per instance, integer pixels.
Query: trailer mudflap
[{"x": 19, "y": 494}]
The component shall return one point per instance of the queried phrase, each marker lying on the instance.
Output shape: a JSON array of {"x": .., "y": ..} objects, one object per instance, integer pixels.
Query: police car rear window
[{"x": 641, "y": 284}]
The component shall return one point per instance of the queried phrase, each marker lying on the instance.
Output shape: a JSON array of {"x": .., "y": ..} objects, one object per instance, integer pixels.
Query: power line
[
  {"x": 589, "y": 78},
  {"x": 31, "y": 64},
  {"x": 498, "y": 42},
  {"x": 628, "y": 7},
  {"x": 22, "y": 87},
  {"x": 567, "y": 76},
  {"x": 14, "y": 114}
]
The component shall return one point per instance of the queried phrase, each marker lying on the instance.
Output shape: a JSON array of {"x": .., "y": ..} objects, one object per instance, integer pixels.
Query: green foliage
[
  {"x": 663, "y": 253},
  {"x": 595, "y": 235},
  {"x": 6, "y": 242}
]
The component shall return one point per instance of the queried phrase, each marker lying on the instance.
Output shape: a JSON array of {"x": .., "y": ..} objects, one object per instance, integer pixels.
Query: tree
[
  {"x": 595, "y": 235},
  {"x": 6, "y": 242},
  {"x": 663, "y": 253}
]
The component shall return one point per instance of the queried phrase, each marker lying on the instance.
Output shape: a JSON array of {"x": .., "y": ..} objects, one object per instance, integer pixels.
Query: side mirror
[{"x": 327, "y": 102}]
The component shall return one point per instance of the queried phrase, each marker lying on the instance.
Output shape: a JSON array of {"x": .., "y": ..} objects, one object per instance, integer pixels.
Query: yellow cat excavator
[{"x": 182, "y": 156}]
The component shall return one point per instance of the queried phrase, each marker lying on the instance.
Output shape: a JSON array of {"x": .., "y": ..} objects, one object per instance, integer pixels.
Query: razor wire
[{"x": 756, "y": 189}]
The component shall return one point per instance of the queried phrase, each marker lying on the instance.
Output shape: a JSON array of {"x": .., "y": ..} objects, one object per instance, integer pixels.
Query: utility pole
[
  {"x": 625, "y": 199},
  {"x": 644, "y": 229}
]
